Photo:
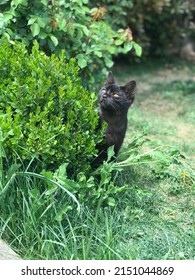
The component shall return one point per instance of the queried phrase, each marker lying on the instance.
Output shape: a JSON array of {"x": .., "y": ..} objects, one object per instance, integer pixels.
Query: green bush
[
  {"x": 82, "y": 32},
  {"x": 45, "y": 113}
]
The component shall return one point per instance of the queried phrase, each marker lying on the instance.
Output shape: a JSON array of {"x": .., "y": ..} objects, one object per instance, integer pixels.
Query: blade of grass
[{"x": 52, "y": 182}]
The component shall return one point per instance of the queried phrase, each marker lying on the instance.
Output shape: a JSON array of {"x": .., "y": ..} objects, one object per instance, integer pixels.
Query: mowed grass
[
  {"x": 154, "y": 218},
  {"x": 165, "y": 107}
]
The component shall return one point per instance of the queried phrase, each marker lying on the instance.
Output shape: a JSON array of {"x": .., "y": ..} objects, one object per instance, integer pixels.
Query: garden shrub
[
  {"x": 81, "y": 30},
  {"x": 44, "y": 111}
]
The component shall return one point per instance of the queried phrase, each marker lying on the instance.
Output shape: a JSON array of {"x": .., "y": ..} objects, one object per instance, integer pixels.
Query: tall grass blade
[{"x": 52, "y": 182}]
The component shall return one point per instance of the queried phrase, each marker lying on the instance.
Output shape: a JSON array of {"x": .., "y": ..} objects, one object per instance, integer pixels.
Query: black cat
[{"x": 114, "y": 102}]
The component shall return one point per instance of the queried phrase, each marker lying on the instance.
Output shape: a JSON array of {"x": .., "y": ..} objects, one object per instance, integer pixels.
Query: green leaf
[
  {"x": 86, "y": 31},
  {"x": 14, "y": 167},
  {"x": 54, "y": 40},
  {"x": 110, "y": 153},
  {"x": 109, "y": 62},
  {"x": 111, "y": 201},
  {"x": 71, "y": 29},
  {"x": 62, "y": 24},
  {"x": 41, "y": 22},
  {"x": 1, "y": 23},
  {"x": 127, "y": 47},
  {"x": 82, "y": 62},
  {"x": 98, "y": 53},
  {"x": 61, "y": 172},
  {"x": 112, "y": 50},
  {"x": 32, "y": 20},
  {"x": 51, "y": 190},
  {"x": 79, "y": 35},
  {"x": 2, "y": 2},
  {"x": 118, "y": 42},
  {"x": 15, "y": 3},
  {"x": 35, "y": 29},
  {"x": 60, "y": 215},
  {"x": 44, "y": 2},
  {"x": 42, "y": 35},
  {"x": 121, "y": 30},
  {"x": 6, "y": 17},
  {"x": 138, "y": 49},
  {"x": 146, "y": 158},
  {"x": 35, "y": 193}
]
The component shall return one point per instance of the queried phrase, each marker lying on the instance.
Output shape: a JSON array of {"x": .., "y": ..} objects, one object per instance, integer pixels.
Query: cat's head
[{"x": 116, "y": 98}]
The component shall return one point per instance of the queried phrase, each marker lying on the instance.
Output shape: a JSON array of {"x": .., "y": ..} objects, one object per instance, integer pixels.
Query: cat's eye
[
  {"x": 103, "y": 90},
  {"x": 115, "y": 94}
]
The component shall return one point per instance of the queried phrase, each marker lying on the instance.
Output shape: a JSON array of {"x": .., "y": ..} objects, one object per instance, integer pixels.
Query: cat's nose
[{"x": 106, "y": 95}]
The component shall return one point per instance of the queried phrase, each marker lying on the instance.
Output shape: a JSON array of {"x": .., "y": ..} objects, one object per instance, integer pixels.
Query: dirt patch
[
  {"x": 169, "y": 75},
  {"x": 160, "y": 107},
  {"x": 187, "y": 132}
]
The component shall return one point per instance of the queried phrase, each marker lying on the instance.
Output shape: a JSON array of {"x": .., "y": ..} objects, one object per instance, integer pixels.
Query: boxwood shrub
[{"x": 45, "y": 113}]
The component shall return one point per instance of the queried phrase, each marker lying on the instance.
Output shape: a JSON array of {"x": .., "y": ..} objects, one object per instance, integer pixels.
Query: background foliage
[
  {"x": 158, "y": 25},
  {"x": 95, "y": 31},
  {"x": 71, "y": 25}
]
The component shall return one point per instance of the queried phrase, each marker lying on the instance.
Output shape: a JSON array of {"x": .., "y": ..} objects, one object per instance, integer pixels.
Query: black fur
[{"x": 114, "y": 102}]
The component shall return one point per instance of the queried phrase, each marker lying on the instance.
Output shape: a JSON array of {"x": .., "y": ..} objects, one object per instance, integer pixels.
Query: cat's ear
[
  {"x": 129, "y": 89},
  {"x": 110, "y": 79}
]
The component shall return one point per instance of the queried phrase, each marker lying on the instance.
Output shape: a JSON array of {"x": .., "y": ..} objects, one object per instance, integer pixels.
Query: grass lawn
[
  {"x": 155, "y": 217},
  {"x": 160, "y": 222}
]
